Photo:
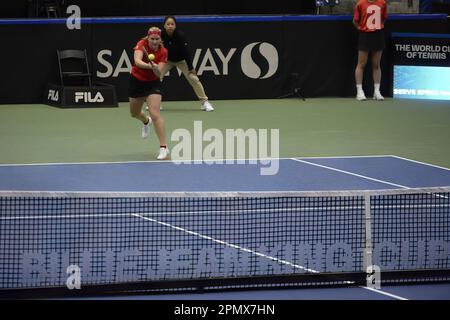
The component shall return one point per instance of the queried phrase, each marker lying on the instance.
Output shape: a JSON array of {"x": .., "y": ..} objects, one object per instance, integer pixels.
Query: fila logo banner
[
  {"x": 87, "y": 97},
  {"x": 53, "y": 95}
]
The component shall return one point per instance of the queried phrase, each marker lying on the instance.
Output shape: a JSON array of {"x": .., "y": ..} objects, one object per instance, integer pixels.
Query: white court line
[
  {"x": 349, "y": 157},
  {"x": 259, "y": 254},
  {"x": 422, "y": 163},
  {"x": 352, "y": 173},
  {"x": 215, "y": 160},
  {"x": 137, "y": 162},
  {"x": 384, "y": 293},
  {"x": 76, "y": 163},
  {"x": 170, "y": 161},
  {"x": 359, "y": 175}
]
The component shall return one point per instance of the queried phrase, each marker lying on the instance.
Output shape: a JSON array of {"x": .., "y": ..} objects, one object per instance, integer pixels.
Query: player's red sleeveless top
[{"x": 147, "y": 74}]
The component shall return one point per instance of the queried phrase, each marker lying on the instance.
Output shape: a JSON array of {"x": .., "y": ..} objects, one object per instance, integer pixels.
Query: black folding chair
[
  {"x": 73, "y": 64},
  {"x": 47, "y": 8}
]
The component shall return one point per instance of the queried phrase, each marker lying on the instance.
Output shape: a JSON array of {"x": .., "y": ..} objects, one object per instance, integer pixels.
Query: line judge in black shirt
[{"x": 176, "y": 44}]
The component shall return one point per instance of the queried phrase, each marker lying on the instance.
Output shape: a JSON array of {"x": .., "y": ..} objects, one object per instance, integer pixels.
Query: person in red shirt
[
  {"x": 369, "y": 17},
  {"x": 145, "y": 86}
]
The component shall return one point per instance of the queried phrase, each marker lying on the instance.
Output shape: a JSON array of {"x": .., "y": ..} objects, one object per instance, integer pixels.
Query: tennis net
[{"x": 158, "y": 242}]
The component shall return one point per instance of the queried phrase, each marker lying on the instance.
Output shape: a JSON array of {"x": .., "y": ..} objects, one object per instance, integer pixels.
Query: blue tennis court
[
  {"x": 126, "y": 239},
  {"x": 296, "y": 174}
]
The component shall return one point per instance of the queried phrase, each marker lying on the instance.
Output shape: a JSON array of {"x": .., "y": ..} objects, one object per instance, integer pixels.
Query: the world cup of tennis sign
[{"x": 421, "y": 66}]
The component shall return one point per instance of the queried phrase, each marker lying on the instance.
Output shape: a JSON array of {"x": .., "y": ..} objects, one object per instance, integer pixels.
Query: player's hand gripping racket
[{"x": 150, "y": 56}]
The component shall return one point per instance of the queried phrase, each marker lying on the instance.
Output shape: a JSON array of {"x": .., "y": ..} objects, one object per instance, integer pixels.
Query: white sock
[
  {"x": 377, "y": 87},
  {"x": 359, "y": 88}
]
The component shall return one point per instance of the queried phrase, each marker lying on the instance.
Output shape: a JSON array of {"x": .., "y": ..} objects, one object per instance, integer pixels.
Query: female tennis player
[
  {"x": 175, "y": 42},
  {"x": 368, "y": 18},
  {"x": 144, "y": 85}
]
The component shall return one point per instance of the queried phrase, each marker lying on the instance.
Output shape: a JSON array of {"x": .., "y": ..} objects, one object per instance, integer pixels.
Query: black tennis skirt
[
  {"x": 140, "y": 89},
  {"x": 371, "y": 41}
]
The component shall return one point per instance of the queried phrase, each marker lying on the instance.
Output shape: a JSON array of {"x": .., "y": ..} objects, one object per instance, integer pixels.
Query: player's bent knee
[{"x": 155, "y": 117}]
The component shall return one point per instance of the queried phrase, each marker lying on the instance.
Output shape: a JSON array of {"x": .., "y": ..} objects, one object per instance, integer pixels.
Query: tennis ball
[{"x": 151, "y": 57}]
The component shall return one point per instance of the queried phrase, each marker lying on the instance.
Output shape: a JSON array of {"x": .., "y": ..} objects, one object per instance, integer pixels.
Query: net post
[{"x": 368, "y": 250}]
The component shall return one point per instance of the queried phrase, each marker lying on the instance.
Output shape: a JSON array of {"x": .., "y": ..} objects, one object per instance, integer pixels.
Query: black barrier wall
[
  {"x": 235, "y": 57},
  {"x": 120, "y": 8}
]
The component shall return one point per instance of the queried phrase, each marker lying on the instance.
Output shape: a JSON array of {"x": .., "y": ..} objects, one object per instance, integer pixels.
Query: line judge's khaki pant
[{"x": 193, "y": 80}]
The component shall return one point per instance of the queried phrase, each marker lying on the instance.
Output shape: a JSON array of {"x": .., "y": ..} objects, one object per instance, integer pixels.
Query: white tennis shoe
[
  {"x": 146, "y": 128},
  {"x": 163, "y": 153},
  {"x": 377, "y": 96},
  {"x": 361, "y": 96},
  {"x": 206, "y": 106}
]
